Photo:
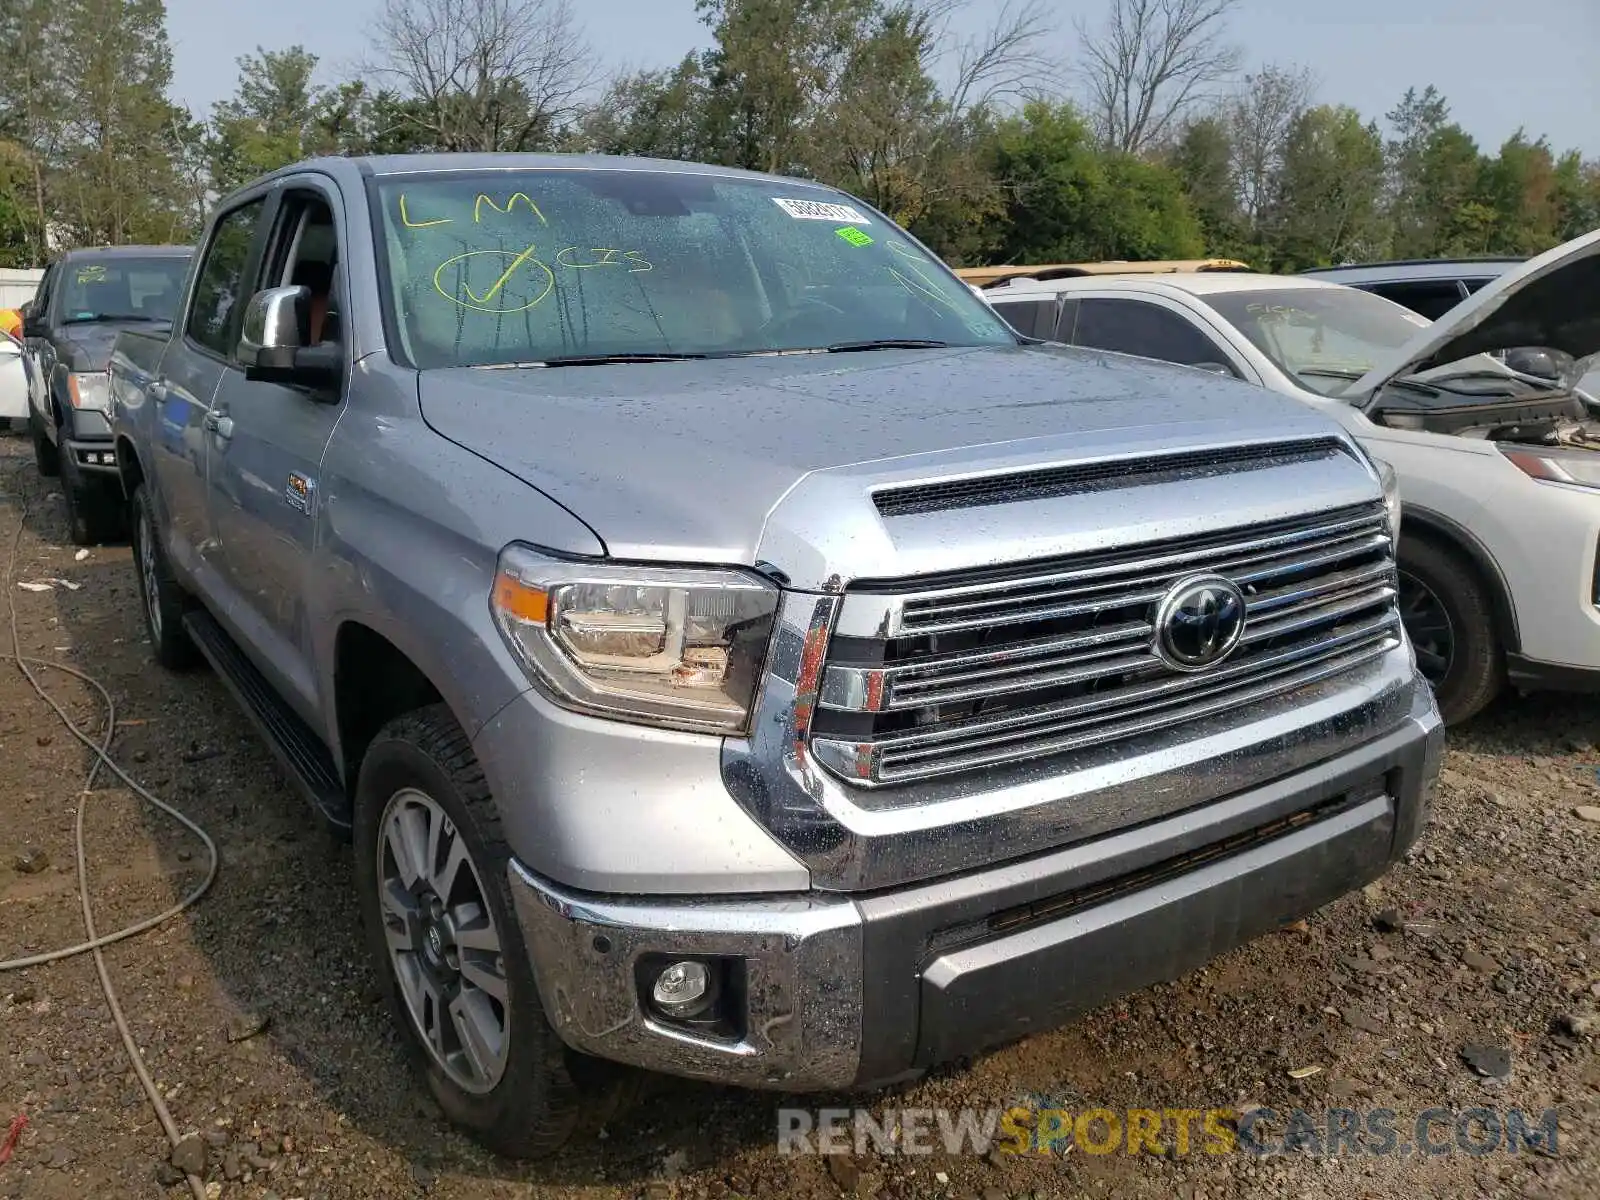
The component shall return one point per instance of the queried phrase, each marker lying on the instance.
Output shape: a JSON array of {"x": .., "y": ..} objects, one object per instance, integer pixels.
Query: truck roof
[
  {"x": 125, "y": 252},
  {"x": 417, "y": 164}
]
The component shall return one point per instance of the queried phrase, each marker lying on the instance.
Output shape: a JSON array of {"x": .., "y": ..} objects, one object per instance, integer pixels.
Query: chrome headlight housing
[
  {"x": 90, "y": 389},
  {"x": 677, "y": 647}
]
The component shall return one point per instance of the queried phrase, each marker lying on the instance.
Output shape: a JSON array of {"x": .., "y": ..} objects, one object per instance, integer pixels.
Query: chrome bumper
[{"x": 846, "y": 991}]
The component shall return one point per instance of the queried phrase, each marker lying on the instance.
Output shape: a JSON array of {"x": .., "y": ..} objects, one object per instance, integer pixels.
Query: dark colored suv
[{"x": 1430, "y": 287}]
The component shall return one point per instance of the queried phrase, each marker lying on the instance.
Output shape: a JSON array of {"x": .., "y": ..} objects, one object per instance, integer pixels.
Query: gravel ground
[{"x": 261, "y": 1021}]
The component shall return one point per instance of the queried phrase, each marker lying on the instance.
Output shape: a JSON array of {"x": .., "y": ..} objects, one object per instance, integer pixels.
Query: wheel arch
[
  {"x": 374, "y": 681},
  {"x": 1452, "y": 536}
]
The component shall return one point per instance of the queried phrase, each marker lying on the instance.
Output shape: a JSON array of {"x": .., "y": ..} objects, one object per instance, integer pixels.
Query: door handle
[
  {"x": 157, "y": 390},
  {"x": 218, "y": 423}
]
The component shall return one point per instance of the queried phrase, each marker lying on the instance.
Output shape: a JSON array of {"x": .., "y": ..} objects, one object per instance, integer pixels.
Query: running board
[{"x": 298, "y": 748}]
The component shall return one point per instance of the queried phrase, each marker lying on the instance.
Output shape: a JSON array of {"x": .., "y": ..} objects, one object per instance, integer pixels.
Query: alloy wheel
[
  {"x": 147, "y": 573},
  {"x": 1428, "y": 625},
  {"x": 443, "y": 943}
]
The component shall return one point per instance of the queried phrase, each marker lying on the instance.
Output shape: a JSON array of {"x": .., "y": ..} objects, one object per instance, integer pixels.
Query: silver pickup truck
[{"x": 733, "y": 650}]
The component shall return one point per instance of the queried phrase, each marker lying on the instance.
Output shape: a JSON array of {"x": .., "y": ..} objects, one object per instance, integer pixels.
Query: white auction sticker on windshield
[{"x": 816, "y": 210}]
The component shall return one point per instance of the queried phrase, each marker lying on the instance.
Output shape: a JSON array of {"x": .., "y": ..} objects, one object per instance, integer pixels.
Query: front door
[
  {"x": 265, "y": 443},
  {"x": 182, "y": 388}
]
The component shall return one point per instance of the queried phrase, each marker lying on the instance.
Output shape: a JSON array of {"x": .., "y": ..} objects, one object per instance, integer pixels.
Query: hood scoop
[{"x": 1017, "y": 487}]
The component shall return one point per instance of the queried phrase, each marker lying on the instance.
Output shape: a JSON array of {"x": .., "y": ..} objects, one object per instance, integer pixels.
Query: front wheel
[
  {"x": 164, "y": 601},
  {"x": 431, "y": 870},
  {"x": 1449, "y": 617}
]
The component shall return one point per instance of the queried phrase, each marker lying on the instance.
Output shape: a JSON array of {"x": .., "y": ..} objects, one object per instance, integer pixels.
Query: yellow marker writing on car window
[
  {"x": 477, "y": 206},
  {"x": 406, "y": 220},
  {"x": 498, "y": 298}
]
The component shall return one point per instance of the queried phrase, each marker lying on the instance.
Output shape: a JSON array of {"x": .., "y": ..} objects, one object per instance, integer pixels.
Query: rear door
[
  {"x": 265, "y": 444},
  {"x": 185, "y": 380}
]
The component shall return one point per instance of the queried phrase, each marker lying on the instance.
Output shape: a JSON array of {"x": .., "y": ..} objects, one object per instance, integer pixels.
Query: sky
[{"x": 1502, "y": 64}]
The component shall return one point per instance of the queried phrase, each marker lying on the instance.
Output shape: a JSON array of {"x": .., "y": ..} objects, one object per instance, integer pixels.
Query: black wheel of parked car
[
  {"x": 164, "y": 601},
  {"x": 95, "y": 508},
  {"x": 431, "y": 870},
  {"x": 1450, "y": 619},
  {"x": 45, "y": 455}
]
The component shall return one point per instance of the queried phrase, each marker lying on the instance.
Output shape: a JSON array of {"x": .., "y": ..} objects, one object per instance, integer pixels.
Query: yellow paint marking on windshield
[
  {"x": 463, "y": 295},
  {"x": 477, "y": 206},
  {"x": 632, "y": 259},
  {"x": 410, "y": 224}
]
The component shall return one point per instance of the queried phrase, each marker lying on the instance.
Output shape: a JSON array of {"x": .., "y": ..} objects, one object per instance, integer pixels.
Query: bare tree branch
[
  {"x": 490, "y": 74},
  {"x": 1153, "y": 60},
  {"x": 1260, "y": 116}
]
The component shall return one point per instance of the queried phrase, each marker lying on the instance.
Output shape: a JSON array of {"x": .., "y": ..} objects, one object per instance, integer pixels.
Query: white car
[
  {"x": 1499, "y": 471},
  {"x": 14, "y": 381}
]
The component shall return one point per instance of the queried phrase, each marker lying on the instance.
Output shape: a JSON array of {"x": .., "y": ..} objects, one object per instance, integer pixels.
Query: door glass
[
  {"x": 221, "y": 286},
  {"x": 1135, "y": 327},
  {"x": 1030, "y": 318},
  {"x": 1431, "y": 298}
]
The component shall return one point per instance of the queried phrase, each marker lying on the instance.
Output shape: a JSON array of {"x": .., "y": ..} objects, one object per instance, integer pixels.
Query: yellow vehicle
[{"x": 984, "y": 277}]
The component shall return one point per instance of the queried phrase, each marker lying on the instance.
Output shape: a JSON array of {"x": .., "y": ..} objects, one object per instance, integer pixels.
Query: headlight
[
  {"x": 677, "y": 647},
  {"x": 1391, "y": 500},
  {"x": 1579, "y": 468},
  {"x": 90, "y": 389}
]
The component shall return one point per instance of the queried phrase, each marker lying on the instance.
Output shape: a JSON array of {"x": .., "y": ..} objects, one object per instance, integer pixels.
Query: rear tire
[
  {"x": 523, "y": 1093},
  {"x": 45, "y": 455},
  {"x": 164, "y": 601},
  {"x": 1449, "y": 615}
]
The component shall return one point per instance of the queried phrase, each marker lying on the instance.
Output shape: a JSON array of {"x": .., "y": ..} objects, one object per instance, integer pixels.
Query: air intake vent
[{"x": 1020, "y": 486}]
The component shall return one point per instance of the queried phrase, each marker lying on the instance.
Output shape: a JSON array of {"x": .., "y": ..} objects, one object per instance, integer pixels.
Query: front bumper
[
  {"x": 89, "y": 443},
  {"x": 843, "y": 991}
]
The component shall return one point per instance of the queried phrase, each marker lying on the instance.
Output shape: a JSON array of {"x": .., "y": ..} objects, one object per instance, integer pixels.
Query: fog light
[{"x": 682, "y": 987}]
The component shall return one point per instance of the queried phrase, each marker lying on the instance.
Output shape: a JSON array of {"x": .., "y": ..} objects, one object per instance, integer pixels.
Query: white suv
[{"x": 1499, "y": 470}]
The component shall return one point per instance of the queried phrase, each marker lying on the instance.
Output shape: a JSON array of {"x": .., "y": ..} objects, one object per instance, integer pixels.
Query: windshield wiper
[
  {"x": 88, "y": 318},
  {"x": 1330, "y": 372},
  {"x": 590, "y": 360},
  {"x": 886, "y": 344}
]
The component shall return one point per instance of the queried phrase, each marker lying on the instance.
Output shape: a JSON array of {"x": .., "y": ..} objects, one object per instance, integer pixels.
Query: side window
[
  {"x": 305, "y": 253},
  {"x": 1030, "y": 318},
  {"x": 39, "y": 306},
  {"x": 1135, "y": 327},
  {"x": 1431, "y": 298},
  {"x": 221, "y": 287}
]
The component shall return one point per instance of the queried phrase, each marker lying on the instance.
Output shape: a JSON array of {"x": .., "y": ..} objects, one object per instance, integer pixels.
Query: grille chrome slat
[
  {"x": 1015, "y": 606},
  {"x": 1064, "y": 659}
]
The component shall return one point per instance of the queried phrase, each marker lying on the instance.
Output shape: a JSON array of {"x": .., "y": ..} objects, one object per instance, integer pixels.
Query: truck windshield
[
  {"x": 555, "y": 265},
  {"x": 123, "y": 288}
]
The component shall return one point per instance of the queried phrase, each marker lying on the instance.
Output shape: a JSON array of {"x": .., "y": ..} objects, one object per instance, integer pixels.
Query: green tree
[
  {"x": 1066, "y": 201},
  {"x": 32, "y": 119},
  {"x": 1329, "y": 206},
  {"x": 1518, "y": 187},
  {"x": 270, "y": 120},
  {"x": 1203, "y": 162},
  {"x": 117, "y": 180},
  {"x": 1433, "y": 167}
]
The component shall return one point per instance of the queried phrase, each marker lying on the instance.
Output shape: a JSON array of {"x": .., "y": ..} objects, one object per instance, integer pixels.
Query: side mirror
[
  {"x": 1531, "y": 360},
  {"x": 34, "y": 327},
  {"x": 270, "y": 349}
]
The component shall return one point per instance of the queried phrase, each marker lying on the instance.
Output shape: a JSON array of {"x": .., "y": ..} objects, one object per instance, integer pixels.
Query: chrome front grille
[{"x": 1011, "y": 664}]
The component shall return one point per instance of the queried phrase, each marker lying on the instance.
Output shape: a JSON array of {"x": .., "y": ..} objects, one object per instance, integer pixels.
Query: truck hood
[
  {"x": 687, "y": 461},
  {"x": 87, "y": 346},
  {"x": 1552, "y": 301}
]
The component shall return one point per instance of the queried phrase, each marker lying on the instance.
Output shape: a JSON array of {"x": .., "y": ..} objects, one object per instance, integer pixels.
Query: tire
[
  {"x": 95, "y": 512},
  {"x": 1448, "y": 613},
  {"x": 45, "y": 455},
  {"x": 532, "y": 1095},
  {"x": 163, "y": 600}
]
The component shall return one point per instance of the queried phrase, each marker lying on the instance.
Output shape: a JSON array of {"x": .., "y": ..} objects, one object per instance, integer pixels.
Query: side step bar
[{"x": 298, "y": 748}]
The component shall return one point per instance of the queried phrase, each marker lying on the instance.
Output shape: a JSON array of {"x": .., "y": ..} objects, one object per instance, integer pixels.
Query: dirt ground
[{"x": 1489, "y": 935}]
